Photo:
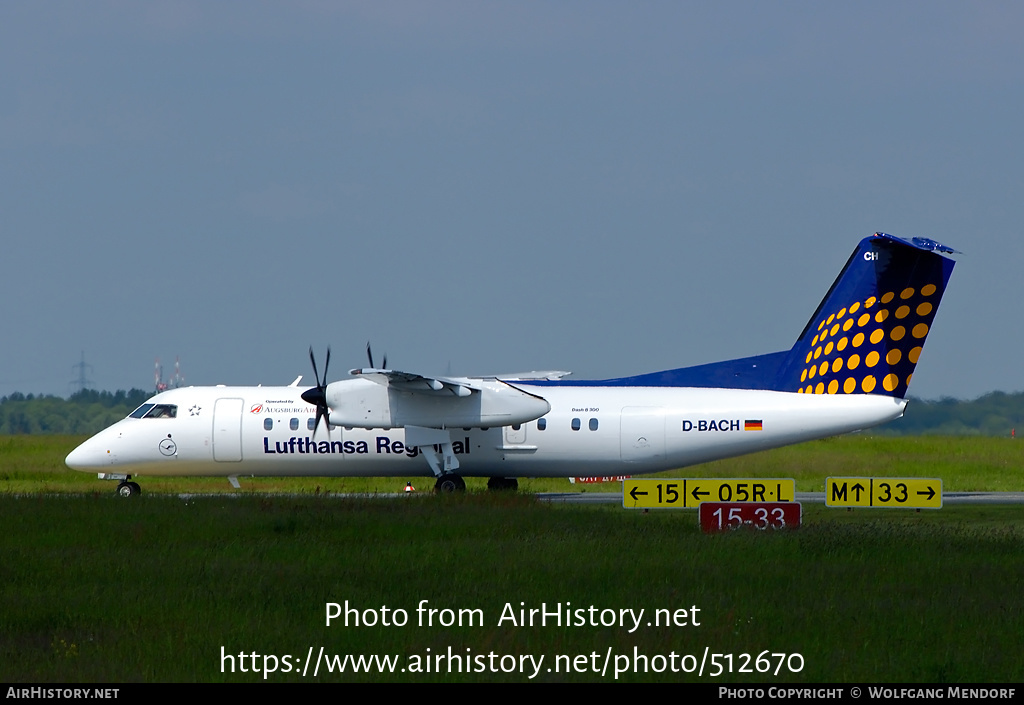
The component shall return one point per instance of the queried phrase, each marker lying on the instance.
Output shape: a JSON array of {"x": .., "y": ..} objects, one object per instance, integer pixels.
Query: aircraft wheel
[
  {"x": 448, "y": 483},
  {"x": 129, "y": 489},
  {"x": 503, "y": 484}
]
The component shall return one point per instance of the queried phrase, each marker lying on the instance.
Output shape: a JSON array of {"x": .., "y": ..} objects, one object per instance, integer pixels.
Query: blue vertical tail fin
[{"x": 868, "y": 332}]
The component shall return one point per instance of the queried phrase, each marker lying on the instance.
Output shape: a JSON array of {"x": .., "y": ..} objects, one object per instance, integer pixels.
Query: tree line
[
  {"x": 994, "y": 414},
  {"x": 84, "y": 412},
  {"x": 90, "y": 411}
]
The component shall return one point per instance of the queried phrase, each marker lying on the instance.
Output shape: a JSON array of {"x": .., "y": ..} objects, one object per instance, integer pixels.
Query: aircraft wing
[{"x": 411, "y": 382}]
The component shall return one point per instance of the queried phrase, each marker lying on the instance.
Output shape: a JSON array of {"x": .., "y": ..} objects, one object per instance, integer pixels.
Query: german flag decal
[{"x": 752, "y": 425}]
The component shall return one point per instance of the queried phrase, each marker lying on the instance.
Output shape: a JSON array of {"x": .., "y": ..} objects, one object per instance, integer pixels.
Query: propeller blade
[
  {"x": 369, "y": 354},
  {"x": 318, "y": 395},
  {"x": 321, "y": 414},
  {"x": 312, "y": 358}
]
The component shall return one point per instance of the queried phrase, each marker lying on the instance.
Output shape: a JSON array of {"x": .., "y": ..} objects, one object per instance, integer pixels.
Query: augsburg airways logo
[{"x": 292, "y": 408}]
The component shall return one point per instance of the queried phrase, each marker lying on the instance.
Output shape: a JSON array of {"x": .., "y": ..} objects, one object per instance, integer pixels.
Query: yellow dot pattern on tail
[{"x": 878, "y": 348}]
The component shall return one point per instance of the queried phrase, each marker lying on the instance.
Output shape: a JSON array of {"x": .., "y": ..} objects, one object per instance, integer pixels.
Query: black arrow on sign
[
  {"x": 696, "y": 494},
  {"x": 633, "y": 493},
  {"x": 858, "y": 488},
  {"x": 930, "y": 492}
]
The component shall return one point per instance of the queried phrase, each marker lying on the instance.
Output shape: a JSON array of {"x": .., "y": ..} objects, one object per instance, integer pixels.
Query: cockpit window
[
  {"x": 141, "y": 411},
  {"x": 161, "y": 411}
]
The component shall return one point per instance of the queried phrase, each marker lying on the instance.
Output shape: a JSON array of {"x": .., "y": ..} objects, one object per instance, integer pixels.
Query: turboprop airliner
[{"x": 849, "y": 369}]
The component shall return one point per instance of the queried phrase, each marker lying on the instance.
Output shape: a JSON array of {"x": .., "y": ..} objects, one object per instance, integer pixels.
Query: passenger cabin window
[
  {"x": 542, "y": 424},
  {"x": 575, "y": 424},
  {"x": 311, "y": 424},
  {"x": 155, "y": 411},
  {"x": 516, "y": 426},
  {"x": 294, "y": 424},
  {"x": 593, "y": 424},
  {"x": 268, "y": 424}
]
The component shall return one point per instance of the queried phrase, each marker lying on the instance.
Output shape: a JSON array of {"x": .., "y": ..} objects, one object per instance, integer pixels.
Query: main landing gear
[
  {"x": 449, "y": 482},
  {"x": 128, "y": 489}
]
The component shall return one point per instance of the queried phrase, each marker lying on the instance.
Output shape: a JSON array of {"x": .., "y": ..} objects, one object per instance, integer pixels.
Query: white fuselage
[{"x": 589, "y": 431}]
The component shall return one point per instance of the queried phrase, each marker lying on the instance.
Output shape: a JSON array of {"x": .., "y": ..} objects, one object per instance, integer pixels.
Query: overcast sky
[{"x": 483, "y": 187}]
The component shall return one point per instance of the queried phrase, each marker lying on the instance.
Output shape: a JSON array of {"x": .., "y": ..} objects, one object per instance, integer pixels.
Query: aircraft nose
[{"x": 87, "y": 457}]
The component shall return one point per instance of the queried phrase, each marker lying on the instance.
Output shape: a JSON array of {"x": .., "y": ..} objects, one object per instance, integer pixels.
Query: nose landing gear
[{"x": 128, "y": 489}]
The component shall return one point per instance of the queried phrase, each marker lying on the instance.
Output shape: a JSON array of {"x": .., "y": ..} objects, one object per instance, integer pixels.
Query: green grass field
[
  {"x": 97, "y": 588},
  {"x": 32, "y": 464}
]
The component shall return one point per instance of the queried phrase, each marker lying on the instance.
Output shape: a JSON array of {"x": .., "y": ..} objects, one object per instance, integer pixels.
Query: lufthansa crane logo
[{"x": 168, "y": 447}]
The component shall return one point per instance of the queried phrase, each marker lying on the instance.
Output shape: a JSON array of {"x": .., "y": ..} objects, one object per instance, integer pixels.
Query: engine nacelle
[{"x": 362, "y": 403}]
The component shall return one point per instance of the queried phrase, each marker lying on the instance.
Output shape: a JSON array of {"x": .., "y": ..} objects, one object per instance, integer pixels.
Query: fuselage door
[
  {"x": 227, "y": 430},
  {"x": 515, "y": 434},
  {"x": 642, "y": 434}
]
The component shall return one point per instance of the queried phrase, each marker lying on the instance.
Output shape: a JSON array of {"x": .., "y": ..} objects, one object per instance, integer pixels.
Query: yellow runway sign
[
  {"x": 911, "y": 492},
  {"x": 688, "y": 493}
]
